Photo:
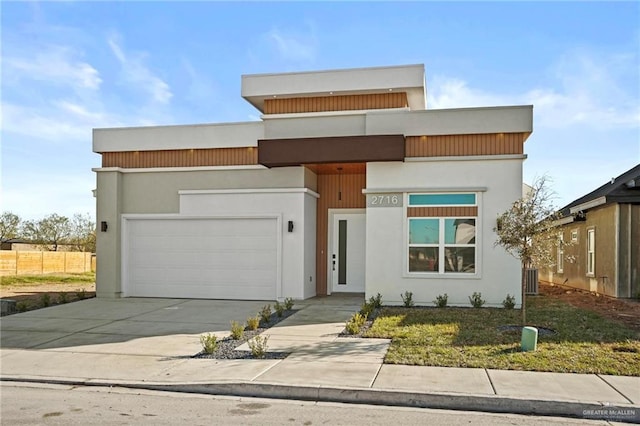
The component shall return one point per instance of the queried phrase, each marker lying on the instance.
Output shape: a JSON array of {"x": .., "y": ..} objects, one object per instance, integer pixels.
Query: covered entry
[{"x": 213, "y": 258}]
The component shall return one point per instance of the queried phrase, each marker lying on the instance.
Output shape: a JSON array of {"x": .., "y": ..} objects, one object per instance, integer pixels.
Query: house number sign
[{"x": 384, "y": 200}]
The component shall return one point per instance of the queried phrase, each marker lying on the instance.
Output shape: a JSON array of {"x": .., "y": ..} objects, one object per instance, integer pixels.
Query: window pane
[
  {"x": 460, "y": 231},
  {"x": 460, "y": 259},
  {"x": 423, "y": 259},
  {"x": 424, "y": 231},
  {"x": 442, "y": 199}
]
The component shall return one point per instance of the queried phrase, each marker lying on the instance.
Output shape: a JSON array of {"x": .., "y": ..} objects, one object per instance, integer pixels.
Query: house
[
  {"x": 603, "y": 228},
  {"x": 346, "y": 184}
]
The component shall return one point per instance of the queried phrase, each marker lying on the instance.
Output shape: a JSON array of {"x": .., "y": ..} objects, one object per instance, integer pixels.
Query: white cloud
[
  {"x": 55, "y": 65},
  {"x": 292, "y": 47},
  {"x": 138, "y": 75},
  {"x": 586, "y": 89}
]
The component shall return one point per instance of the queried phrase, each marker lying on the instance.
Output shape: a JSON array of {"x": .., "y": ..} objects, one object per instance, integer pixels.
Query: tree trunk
[{"x": 524, "y": 294}]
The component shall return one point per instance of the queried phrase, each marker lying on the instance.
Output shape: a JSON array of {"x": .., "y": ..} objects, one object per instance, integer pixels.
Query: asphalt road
[{"x": 41, "y": 404}]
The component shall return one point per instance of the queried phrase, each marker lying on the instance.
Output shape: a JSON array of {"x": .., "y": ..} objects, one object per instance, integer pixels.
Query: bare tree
[
  {"x": 83, "y": 233},
  {"x": 50, "y": 232},
  {"x": 526, "y": 230},
  {"x": 9, "y": 226}
]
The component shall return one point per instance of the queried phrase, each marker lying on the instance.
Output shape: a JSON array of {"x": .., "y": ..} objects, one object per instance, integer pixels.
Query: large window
[
  {"x": 442, "y": 245},
  {"x": 591, "y": 252},
  {"x": 560, "y": 261}
]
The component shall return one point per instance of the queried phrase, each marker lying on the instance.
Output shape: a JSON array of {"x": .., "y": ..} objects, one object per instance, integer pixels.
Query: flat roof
[{"x": 353, "y": 81}]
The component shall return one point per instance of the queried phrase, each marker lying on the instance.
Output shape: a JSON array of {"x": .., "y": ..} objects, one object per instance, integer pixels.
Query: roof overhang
[
  {"x": 356, "y": 81},
  {"x": 588, "y": 205},
  {"x": 340, "y": 149}
]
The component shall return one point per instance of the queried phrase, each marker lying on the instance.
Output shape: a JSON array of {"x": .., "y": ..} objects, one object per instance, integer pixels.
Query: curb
[{"x": 443, "y": 401}]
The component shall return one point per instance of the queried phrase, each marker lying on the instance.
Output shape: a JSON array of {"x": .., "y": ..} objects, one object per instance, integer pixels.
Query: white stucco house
[{"x": 346, "y": 184}]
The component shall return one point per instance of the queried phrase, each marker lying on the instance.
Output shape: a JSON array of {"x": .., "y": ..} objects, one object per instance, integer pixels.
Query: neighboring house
[
  {"x": 346, "y": 184},
  {"x": 604, "y": 230},
  {"x": 18, "y": 244}
]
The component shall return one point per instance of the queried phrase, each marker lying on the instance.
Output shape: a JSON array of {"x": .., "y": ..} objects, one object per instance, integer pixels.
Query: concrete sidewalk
[{"x": 148, "y": 343}]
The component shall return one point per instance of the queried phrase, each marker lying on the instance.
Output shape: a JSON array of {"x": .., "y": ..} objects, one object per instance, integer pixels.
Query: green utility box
[{"x": 529, "y": 339}]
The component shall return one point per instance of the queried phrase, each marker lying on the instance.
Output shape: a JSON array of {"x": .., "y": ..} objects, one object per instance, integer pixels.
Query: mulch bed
[{"x": 226, "y": 348}]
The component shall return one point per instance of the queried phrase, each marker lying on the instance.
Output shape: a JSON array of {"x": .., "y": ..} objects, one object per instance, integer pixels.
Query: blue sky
[{"x": 68, "y": 67}]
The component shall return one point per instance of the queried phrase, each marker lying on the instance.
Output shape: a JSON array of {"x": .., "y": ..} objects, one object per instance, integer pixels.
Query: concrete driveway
[{"x": 131, "y": 326}]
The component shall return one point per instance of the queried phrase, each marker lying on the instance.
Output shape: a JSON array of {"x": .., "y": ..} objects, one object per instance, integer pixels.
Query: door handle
[{"x": 334, "y": 265}]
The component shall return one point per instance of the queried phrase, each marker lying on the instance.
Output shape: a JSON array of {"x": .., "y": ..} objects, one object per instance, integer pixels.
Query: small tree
[
  {"x": 49, "y": 232},
  {"x": 526, "y": 230},
  {"x": 83, "y": 233},
  {"x": 9, "y": 226}
]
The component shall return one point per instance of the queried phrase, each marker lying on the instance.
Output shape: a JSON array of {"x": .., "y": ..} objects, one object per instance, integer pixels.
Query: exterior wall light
[
  {"x": 103, "y": 226},
  {"x": 290, "y": 226}
]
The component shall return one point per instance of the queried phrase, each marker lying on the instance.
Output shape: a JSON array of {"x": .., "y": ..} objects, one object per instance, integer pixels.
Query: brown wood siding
[
  {"x": 442, "y": 211},
  {"x": 335, "y": 103},
  {"x": 460, "y": 145},
  {"x": 351, "y": 187},
  {"x": 181, "y": 158}
]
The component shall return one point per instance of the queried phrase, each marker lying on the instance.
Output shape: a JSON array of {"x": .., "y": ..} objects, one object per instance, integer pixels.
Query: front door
[{"x": 347, "y": 256}]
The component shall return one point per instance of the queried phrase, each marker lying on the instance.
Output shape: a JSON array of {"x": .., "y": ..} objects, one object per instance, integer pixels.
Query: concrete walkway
[{"x": 148, "y": 343}]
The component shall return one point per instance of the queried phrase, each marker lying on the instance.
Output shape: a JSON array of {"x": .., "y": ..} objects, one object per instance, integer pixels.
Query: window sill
[{"x": 438, "y": 276}]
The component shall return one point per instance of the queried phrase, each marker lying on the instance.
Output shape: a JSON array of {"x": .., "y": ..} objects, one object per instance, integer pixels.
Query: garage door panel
[{"x": 202, "y": 258}]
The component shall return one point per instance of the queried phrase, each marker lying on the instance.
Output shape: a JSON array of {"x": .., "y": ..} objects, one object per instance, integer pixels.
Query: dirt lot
[
  {"x": 626, "y": 311},
  {"x": 32, "y": 295}
]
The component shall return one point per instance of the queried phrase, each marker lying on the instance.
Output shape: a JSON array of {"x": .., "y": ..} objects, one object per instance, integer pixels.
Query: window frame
[
  {"x": 574, "y": 235},
  {"x": 442, "y": 245},
  {"x": 591, "y": 252}
]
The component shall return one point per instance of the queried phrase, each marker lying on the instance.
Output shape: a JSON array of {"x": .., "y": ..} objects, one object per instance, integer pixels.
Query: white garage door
[{"x": 201, "y": 258}]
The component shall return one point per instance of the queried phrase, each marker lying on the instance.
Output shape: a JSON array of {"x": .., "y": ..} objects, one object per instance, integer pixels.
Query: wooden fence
[{"x": 45, "y": 262}]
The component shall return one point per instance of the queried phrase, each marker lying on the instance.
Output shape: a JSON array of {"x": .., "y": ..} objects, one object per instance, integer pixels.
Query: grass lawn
[
  {"x": 29, "y": 280},
  {"x": 466, "y": 337}
]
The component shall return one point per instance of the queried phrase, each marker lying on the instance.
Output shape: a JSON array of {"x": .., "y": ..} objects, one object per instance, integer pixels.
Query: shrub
[
  {"x": 509, "y": 302},
  {"x": 209, "y": 343},
  {"x": 22, "y": 306},
  {"x": 288, "y": 303},
  {"x": 476, "y": 300},
  {"x": 407, "y": 299},
  {"x": 237, "y": 330},
  {"x": 62, "y": 297},
  {"x": 45, "y": 300},
  {"x": 265, "y": 314},
  {"x": 258, "y": 346},
  {"x": 355, "y": 323},
  {"x": 366, "y": 310},
  {"x": 81, "y": 294},
  {"x": 376, "y": 301},
  {"x": 441, "y": 300},
  {"x": 279, "y": 309},
  {"x": 253, "y": 322}
]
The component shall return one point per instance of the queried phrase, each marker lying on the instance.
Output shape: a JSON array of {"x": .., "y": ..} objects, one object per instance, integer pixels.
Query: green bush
[
  {"x": 237, "y": 330},
  {"x": 509, "y": 302},
  {"x": 45, "y": 300},
  {"x": 258, "y": 346},
  {"x": 209, "y": 343},
  {"x": 253, "y": 322},
  {"x": 265, "y": 314},
  {"x": 288, "y": 303},
  {"x": 476, "y": 300},
  {"x": 441, "y": 300},
  {"x": 279, "y": 309},
  {"x": 376, "y": 301},
  {"x": 366, "y": 310},
  {"x": 407, "y": 299},
  {"x": 355, "y": 323}
]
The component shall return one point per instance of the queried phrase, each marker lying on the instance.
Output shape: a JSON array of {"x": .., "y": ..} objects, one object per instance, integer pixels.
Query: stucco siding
[{"x": 498, "y": 273}]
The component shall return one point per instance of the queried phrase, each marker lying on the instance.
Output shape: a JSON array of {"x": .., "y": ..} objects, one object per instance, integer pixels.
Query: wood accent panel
[
  {"x": 442, "y": 211},
  {"x": 335, "y": 103},
  {"x": 332, "y": 149},
  {"x": 460, "y": 145},
  {"x": 332, "y": 168},
  {"x": 351, "y": 186},
  {"x": 181, "y": 158}
]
